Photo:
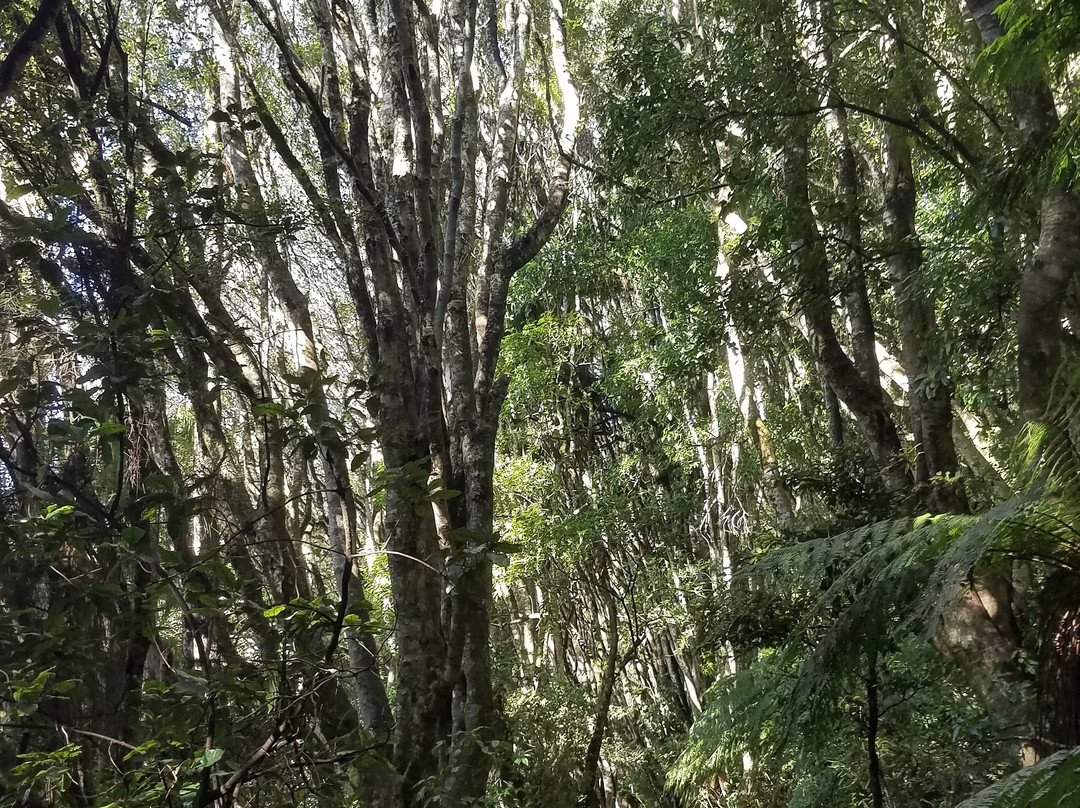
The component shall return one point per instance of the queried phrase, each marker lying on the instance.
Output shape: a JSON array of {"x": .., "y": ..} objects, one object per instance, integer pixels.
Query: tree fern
[
  {"x": 741, "y": 718},
  {"x": 893, "y": 579},
  {"x": 1053, "y": 782}
]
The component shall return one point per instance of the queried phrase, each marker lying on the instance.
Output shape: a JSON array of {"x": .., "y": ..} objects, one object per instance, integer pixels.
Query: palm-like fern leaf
[
  {"x": 896, "y": 578},
  {"x": 1053, "y": 782}
]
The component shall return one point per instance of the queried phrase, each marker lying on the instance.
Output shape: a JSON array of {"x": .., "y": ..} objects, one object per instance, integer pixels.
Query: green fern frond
[
  {"x": 1053, "y": 782},
  {"x": 885, "y": 580},
  {"x": 953, "y": 560},
  {"x": 873, "y": 585},
  {"x": 874, "y": 574},
  {"x": 739, "y": 717}
]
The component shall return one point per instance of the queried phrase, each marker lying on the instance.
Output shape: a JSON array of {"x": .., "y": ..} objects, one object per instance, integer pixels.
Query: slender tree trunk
[
  {"x": 873, "y": 716},
  {"x": 833, "y": 417},
  {"x": 747, "y": 390},
  {"x": 433, "y": 316},
  {"x": 929, "y": 397},
  {"x": 853, "y": 278},
  {"x": 587, "y": 784},
  {"x": 864, "y": 400},
  {"x": 1044, "y": 283},
  {"x": 590, "y": 785},
  {"x": 340, "y": 511}
]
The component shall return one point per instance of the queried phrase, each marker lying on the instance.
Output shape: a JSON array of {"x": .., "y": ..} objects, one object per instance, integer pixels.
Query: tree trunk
[
  {"x": 587, "y": 785},
  {"x": 873, "y": 717},
  {"x": 433, "y": 317},
  {"x": 747, "y": 390},
  {"x": 980, "y": 633},
  {"x": 864, "y": 400},
  {"x": 929, "y": 397},
  {"x": 340, "y": 511},
  {"x": 853, "y": 280},
  {"x": 1044, "y": 283}
]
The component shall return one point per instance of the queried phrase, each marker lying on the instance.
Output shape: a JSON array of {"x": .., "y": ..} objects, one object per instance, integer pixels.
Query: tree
[{"x": 399, "y": 197}]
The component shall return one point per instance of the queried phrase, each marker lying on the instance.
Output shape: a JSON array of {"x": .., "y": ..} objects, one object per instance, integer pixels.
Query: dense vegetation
[{"x": 539, "y": 403}]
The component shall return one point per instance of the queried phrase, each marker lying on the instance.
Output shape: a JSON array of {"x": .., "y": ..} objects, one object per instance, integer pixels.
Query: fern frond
[
  {"x": 1053, "y": 782},
  {"x": 873, "y": 585},
  {"x": 872, "y": 577},
  {"x": 739, "y": 717},
  {"x": 970, "y": 545}
]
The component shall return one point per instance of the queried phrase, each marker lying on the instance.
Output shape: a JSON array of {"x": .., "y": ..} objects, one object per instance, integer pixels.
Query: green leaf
[
  {"x": 108, "y": 429},
  {"x": 443, "y": 494},
  {"x": 274, "y": 611},
  {"x": 54, "y": 511},
  {"x": 269, "y": 408},
  {"x": 210, "y": 757},
  {"x": 49, "y": 306}
]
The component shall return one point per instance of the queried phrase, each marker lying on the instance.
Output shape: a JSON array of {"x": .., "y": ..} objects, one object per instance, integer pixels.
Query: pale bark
[
  {"x": 779, "y": 495},
  {"x": 748, "y": 393},
  {"x": 1044, "y": 283},
  {"x": 410, "y": 266},
  {"x": 340, "y": 512},
  {"x": 972, "y": 450},
  {"x": 929, "y": 397},
  {"x": 980, "y": 633}
]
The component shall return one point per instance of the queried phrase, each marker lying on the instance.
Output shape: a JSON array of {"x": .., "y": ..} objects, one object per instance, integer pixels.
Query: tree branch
[{"x": 20, "y": 52}]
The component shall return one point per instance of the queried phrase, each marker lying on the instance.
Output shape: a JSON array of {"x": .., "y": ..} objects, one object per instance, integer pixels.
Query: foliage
[
  {"x": 1050, "y": 782},
  {"x": 634, "y": 541}
]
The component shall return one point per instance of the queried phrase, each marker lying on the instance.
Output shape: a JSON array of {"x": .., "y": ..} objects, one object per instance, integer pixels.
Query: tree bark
[
  {"x": 929, "y": 397},
  {"x": 587, "y": 783},
  {"x": 340, "y": 511},
  {"x": 1043, "y": 284},
  {"x": 433, "y": 317},
  {"x": 815, "y": 302},
  {"x": 23, "y": 47},
  {"x": 853, "y": 280}
]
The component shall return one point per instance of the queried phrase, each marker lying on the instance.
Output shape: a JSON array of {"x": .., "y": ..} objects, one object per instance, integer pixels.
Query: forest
[{"x": 539, "y": 404}]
